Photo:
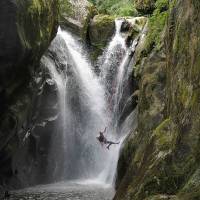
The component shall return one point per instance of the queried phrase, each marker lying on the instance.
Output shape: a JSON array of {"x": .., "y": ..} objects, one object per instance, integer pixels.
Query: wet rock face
[
  {"x": 161, "y": 159},
  {"x": 125, "y": 26},
  {"x": 9, "y": 40},
  {"x": 101, "y": 29},
  {"x": 24, "y": 36}
]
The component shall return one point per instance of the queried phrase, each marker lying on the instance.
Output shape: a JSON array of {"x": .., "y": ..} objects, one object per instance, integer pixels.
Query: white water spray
[{"x": 86, "y": 107}]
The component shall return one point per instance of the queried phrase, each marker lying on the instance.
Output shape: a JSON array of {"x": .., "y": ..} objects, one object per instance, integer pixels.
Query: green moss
[
  {"x": 156, "y": 26},
  {"x": 66, "y": 8},
  {"x": 165, "y": 137},
  {"x": 96, "y": 52},
  {"x": 186, "y": 96},
  {"x": 37, "y": 20},
  {"x": 192, "y": 189},
  {"x": 103, "y": 20},
  {"x": 101, "y": 30},
  {"x": 162, "y": 5}
]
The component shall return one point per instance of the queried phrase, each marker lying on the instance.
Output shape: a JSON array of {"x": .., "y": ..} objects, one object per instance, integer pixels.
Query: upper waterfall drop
[
  {"x": 116, "y": 40},
  {"x": 94, "y": 92}
]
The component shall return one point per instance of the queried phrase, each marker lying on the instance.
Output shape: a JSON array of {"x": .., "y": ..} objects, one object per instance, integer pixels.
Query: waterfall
[
  {"x": 116, "y": 69},
  {"x": 87, "y": 104},
  {"x": 75, "y": 152}
]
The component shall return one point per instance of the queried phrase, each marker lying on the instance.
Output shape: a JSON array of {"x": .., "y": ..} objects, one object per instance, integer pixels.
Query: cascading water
[
  {"x": 87, "y": 105},
  {"x": 121, "y": 80},
  {"x": 82, "y": 112},
  {"x": 111, "y": 59},
  {"x": 115, "y": 73}
]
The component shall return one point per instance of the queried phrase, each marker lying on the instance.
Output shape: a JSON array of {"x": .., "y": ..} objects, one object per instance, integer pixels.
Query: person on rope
[{"x": 102, "y": 139}]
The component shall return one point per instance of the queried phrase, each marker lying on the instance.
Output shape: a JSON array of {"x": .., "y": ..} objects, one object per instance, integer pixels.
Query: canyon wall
[
  {"x": 160, "y": 160},
  {"x": 27, "y": 28}
]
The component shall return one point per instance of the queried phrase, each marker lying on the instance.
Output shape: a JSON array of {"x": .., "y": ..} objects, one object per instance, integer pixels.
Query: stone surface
[
  {"x": 27, "y": 28},
  {"x": 101, "y": 29},
  {"x": 161, "y": 159}
]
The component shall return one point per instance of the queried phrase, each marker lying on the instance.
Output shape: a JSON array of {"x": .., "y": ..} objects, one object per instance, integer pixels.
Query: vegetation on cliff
[
  {"x": 161, "y": 159},
  {"x": 116, "y": 7},
  {"x": 43, "y": 15}
]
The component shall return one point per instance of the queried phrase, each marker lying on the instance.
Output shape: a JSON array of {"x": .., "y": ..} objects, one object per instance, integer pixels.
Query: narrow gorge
[{"x": 71, "y": 69}]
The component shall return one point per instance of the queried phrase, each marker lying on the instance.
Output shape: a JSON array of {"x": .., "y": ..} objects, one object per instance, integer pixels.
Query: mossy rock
[
  {"x": 191, "y": 191},
  {"x": 101, "y": 29},
  {"x": 145, "y": 6},
  {"x": 66, "y": 8},
  {"x": 156, "y": 26},
  {"x": 43, "y": 18},
  {"x": 162, "y": 197},
  {"x": 165, "y": 137}
]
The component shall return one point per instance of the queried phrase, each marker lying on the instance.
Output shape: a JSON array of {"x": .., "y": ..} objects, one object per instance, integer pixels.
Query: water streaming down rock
[
  {"x": 87, "y": 105},
  {"x": 111, "y": 59},
  {"x": 116, "y": 70},
  {"x": 124, "y": 71}
]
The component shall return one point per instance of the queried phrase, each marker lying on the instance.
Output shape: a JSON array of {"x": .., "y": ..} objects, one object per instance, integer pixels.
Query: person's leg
[
  {"x": 109, "y": 146},
  {"x": 110, "y": 143}
]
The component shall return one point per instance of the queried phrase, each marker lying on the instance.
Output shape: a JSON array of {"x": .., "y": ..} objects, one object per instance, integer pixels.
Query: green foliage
[
  {"x": 116, "y": 7},
  {"x": 92, "y": 1},
  {"x": 156, "y": 25},
  {"x": 66, "y": 7},
  {"x": 100, "y": 31},
  {"x": 162, "y": 5},
  {"x": 165, "y": 136}
]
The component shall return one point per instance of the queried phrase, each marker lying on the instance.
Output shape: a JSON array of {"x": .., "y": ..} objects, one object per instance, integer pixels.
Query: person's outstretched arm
[{"x": 104, "y": 130}]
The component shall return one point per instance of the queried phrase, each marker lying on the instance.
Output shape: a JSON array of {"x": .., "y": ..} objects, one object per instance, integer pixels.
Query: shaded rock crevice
[{"x": 27, "y": 28}]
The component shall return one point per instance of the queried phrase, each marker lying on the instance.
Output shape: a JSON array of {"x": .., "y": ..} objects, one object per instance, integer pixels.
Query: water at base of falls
[{"x": 65, "y": 191}]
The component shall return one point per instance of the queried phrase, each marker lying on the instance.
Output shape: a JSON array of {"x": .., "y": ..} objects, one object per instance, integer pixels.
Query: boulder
[
  {"x": 76, "y": 15},
  {"x": 101, "y": 29}
]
